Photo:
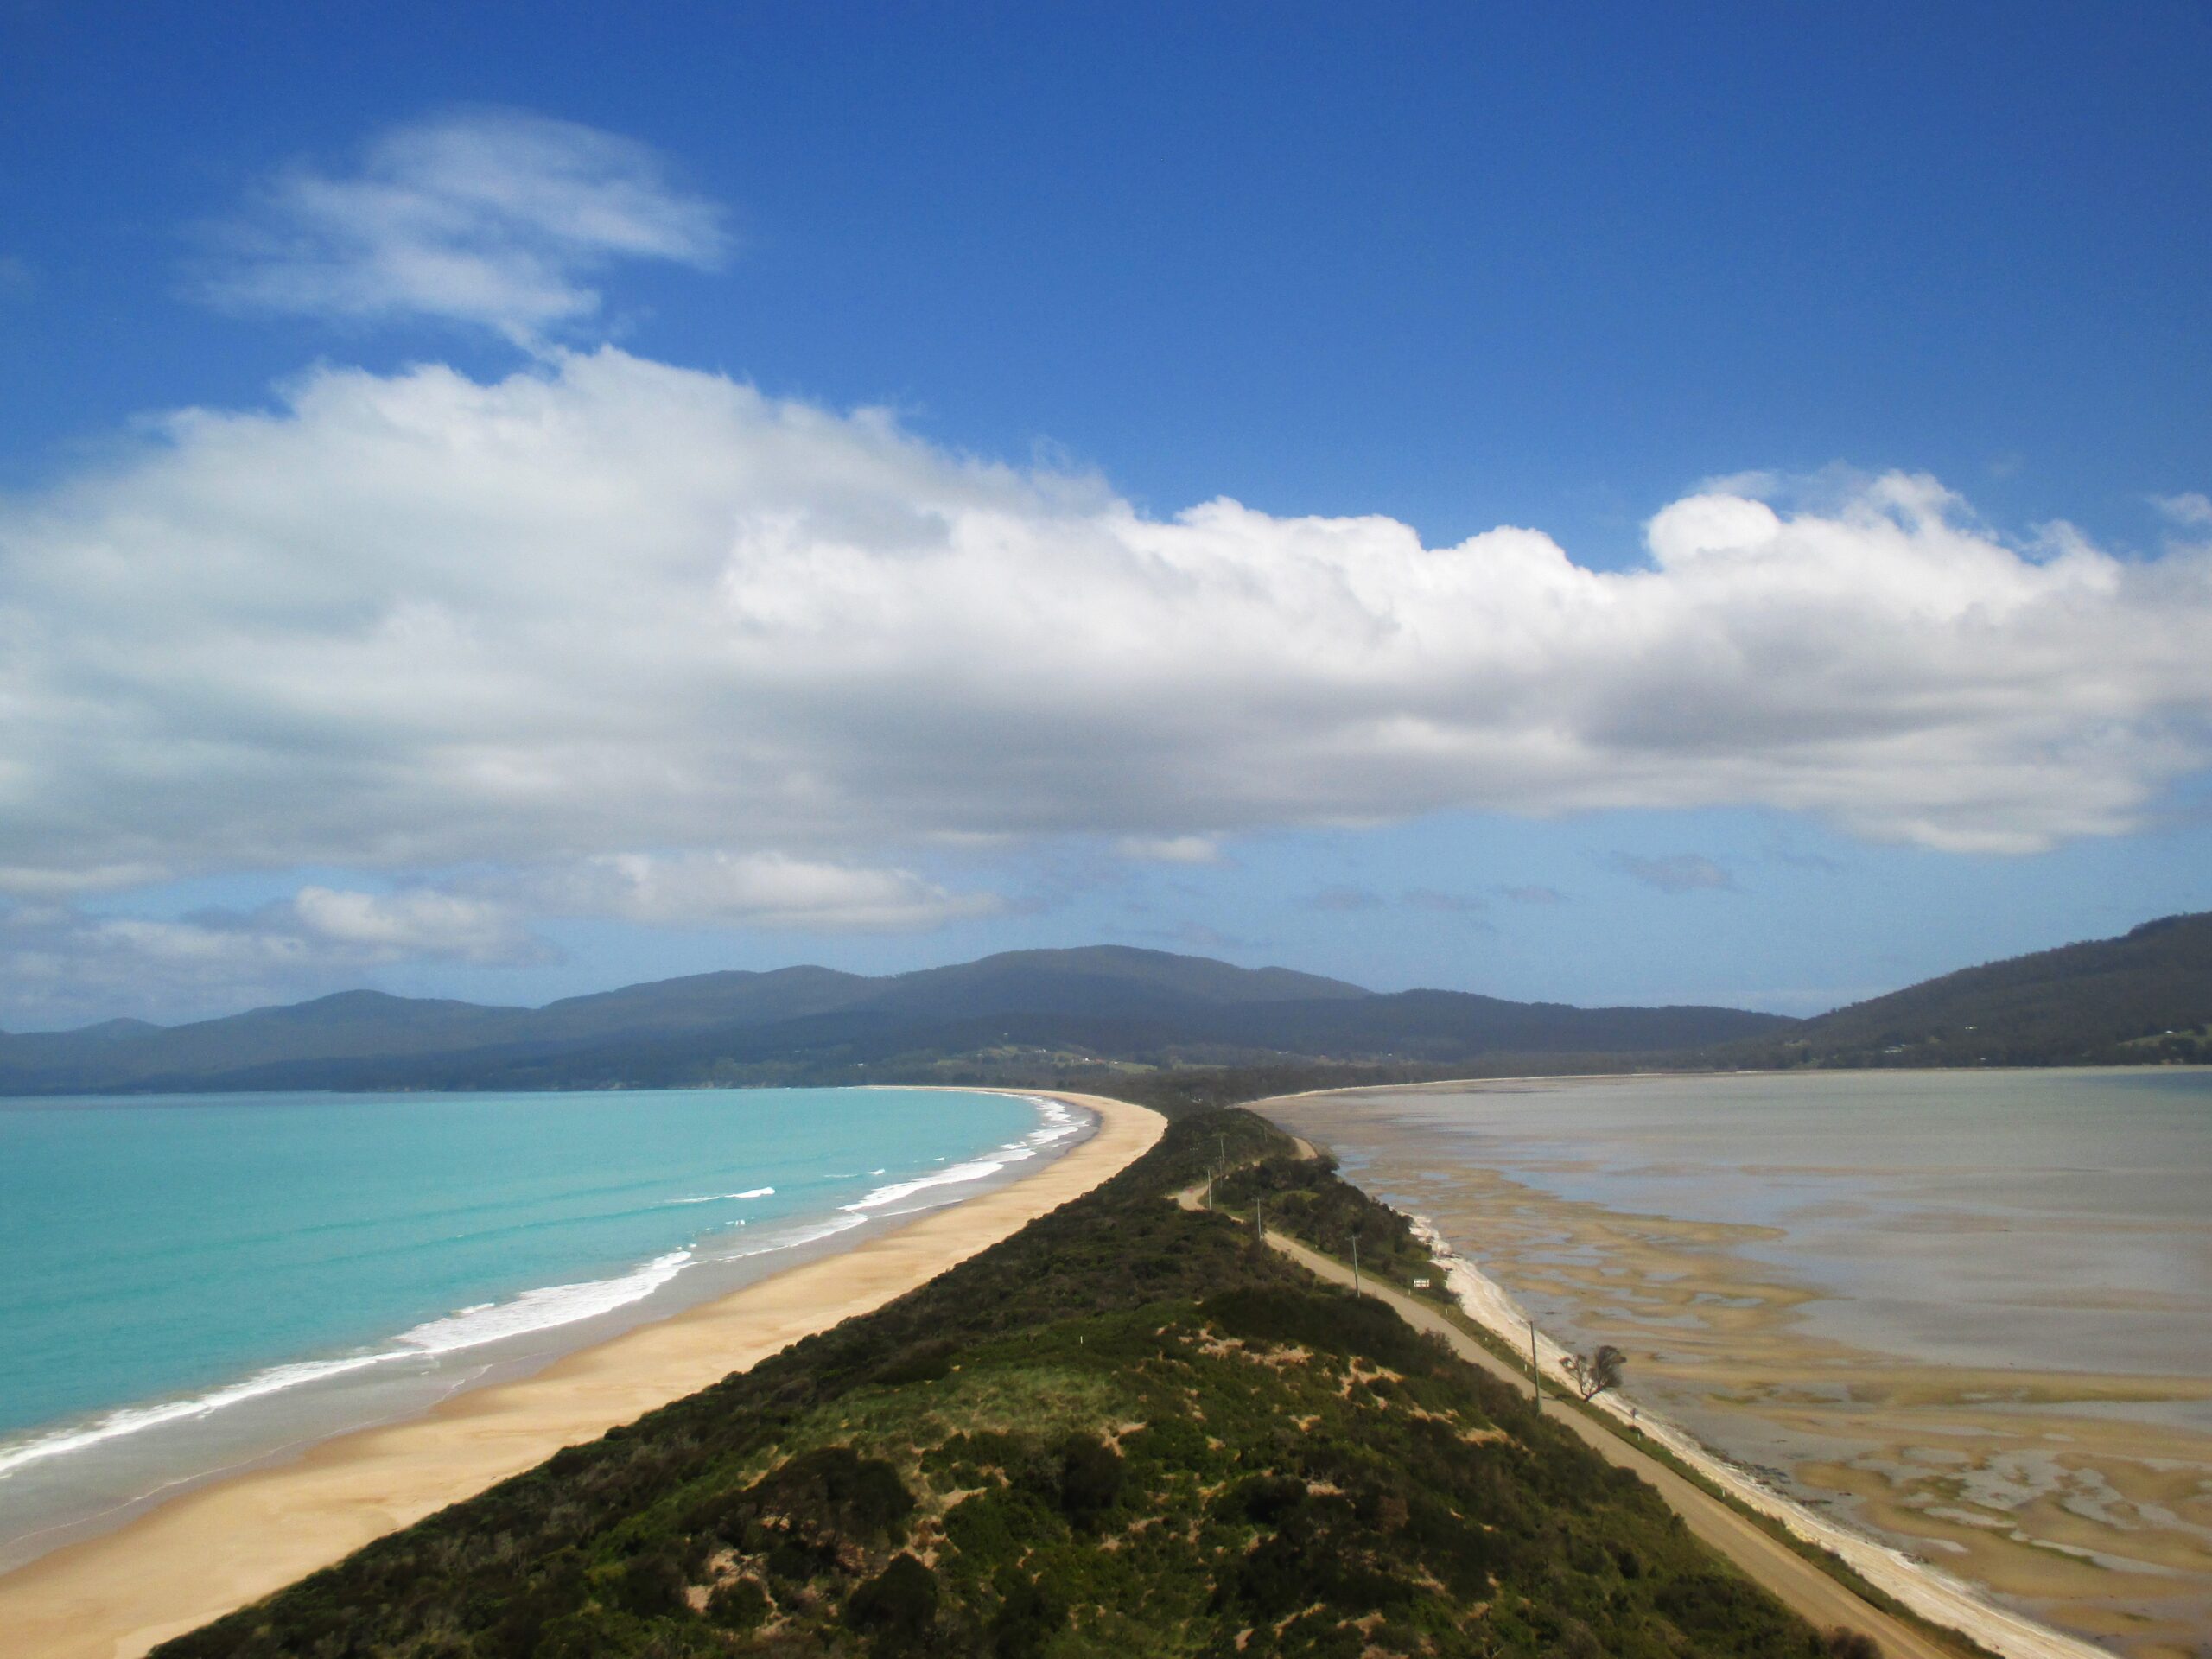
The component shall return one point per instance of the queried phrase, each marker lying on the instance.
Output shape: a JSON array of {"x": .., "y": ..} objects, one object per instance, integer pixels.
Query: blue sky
[{"x": 1928, "y": 288}]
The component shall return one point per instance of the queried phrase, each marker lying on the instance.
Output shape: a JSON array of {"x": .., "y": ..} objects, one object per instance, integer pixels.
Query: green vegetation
[
  {"x": 1125, "y": 1430},
  {"x": 2144, "y": 998},
  {"x": 1307, "y": 1199},
  {"x": 1304, "y": 1198}
]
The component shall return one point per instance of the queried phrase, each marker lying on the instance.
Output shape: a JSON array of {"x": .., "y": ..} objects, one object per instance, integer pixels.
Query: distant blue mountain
[{"x": 798, "y": 1024}]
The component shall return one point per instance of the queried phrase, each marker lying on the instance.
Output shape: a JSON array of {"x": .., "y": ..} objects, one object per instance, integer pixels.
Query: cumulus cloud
[
  {"x": 2192, "y": 509},
  {"x": 769, "y": 890},
  {"x": 1679, "y": 873},
  {"x": 608, "y": 608},
  {"x": 491, "y": 217},
  {"x": 420, "y": 923}
]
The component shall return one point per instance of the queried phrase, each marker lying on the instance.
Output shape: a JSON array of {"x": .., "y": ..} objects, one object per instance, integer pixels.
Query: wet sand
[
  {"x": 223, "y": 1545},
  {"x": 2082, "y": 1497}
]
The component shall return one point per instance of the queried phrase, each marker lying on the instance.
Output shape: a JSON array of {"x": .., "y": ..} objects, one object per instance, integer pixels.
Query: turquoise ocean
[{"x": 194, "y": 1284}]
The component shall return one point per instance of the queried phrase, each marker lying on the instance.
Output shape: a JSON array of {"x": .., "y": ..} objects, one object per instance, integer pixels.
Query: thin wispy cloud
[
  {"x": 1196, "y": 935},
  {"x": 493, "y": 219},
  {"x": 1534, "y": 895},
  {"x": 1796, "y": 858},
  {"x": 1170, "y": 850},
  {"x": 1349, "y": 898},
  {"x": 1678, "y": 872},
  {"x": 1346, "y": 898},
  {"x": 753, "y": 890},
  {"x": 1451, "y": 903}
]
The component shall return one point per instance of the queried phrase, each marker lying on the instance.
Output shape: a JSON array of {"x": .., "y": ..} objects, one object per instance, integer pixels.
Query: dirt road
[{"x": 1792, "y": 1578}]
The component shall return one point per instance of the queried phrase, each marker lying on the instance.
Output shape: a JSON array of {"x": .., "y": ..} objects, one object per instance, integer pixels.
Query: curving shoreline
[
  {"x": 1927, "y": 1590},
  {"x": 1942, "y": 1595},
  {"x": 222, "y": 1545}
]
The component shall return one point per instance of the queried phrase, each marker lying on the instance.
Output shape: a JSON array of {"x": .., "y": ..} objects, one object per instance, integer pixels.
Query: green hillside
[
  {"x": 2145, "y": 997},
  {"x": 1125, "y": 1430}
]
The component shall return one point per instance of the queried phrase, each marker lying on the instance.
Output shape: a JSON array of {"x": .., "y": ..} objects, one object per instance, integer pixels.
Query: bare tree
[{"x": 1596, "y": 1372}]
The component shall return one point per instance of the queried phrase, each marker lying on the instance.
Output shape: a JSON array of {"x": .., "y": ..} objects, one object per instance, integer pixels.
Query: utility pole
[
  {"x": 1209, "y": 1192},
  {"x": 1260, "y": 1216},
  {"x": 1356, "y": 1290},
  {"x": 1536, "y": 1376}
]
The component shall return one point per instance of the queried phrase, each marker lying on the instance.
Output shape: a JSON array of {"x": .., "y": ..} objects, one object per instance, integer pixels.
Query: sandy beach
[
  {"x": 2077, "y": 1497},
  {"x": 220, "y": 1546}
]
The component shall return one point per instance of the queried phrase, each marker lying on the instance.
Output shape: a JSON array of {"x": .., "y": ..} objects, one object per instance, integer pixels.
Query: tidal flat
[{"x": 1970, "y": 1312}]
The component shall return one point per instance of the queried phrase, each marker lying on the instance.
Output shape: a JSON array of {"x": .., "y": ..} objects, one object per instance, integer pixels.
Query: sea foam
[
  {"x": 545, "y": 1308},
  {"x": 724, "y": 1197},
  {"x": 542, "y": 1309},
  {"x": 1059, "y": 1123},
  {"x": 135, "y": 1420}
]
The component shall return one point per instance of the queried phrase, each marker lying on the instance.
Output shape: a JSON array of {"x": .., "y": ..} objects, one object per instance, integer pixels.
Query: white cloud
[
  {"x": 58, "y": 965},
  {"x": 491, "y": 217},
  {"x": 414, "y": 622},
  {"x": 2192, "y": 509},
  {"x": 54, "y": 881},
  {"x": 1170, "y": 850},
  {"x": 422, "y": 922},
  {"x": 764, "y": 890}
]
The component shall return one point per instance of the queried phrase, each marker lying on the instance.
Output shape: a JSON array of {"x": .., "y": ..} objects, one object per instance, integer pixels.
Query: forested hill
[
  {"x": 1010, "y": 1017},
  {"x": 2145, "y": 996}
]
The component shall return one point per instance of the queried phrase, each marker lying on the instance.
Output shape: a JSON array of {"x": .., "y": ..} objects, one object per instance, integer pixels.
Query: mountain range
[
  {"x": 2145, "y": 996},
  {"x": 798, "y": 1024}
]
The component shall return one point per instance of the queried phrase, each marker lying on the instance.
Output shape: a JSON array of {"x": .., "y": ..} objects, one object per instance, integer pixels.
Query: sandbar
[{"x": 221, "y": 1546}]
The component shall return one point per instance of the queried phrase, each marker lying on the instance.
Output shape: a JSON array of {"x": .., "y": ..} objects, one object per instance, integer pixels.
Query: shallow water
[
  {"x": 195, "y": 1283},
  {"x": 2046, "y": 1219},
  {"x": 1971, "y": 1310}
]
